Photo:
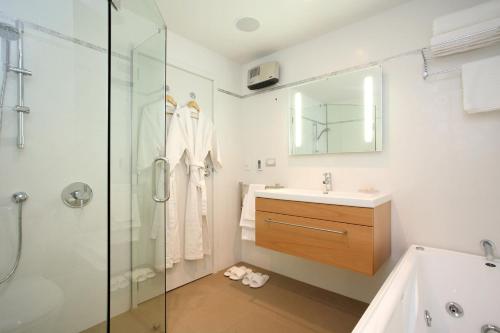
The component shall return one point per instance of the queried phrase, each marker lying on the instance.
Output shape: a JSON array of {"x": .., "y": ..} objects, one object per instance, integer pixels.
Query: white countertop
[{"x": 355, "y": 199}]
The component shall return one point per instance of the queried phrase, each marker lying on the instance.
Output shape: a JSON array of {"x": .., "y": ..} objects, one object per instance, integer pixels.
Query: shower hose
[{"x": 19, "y": 198}]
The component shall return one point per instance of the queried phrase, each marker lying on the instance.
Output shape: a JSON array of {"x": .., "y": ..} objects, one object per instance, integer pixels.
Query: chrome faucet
[
  {"x": 327, "y": 181},
  {"x": 489, "y": 249}
]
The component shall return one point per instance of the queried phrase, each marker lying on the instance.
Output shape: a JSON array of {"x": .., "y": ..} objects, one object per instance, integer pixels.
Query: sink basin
[{"x": 355, "y": 199}]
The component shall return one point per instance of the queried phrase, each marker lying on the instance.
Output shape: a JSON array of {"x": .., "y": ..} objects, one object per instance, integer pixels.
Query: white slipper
[
  {"x": 229, "y": 271},
  {"x": 258, "y": 280},
  {"x": 248, "y": 277},
  {"x": 149, "y": 273},
  {"x": 239, "y": 273}
]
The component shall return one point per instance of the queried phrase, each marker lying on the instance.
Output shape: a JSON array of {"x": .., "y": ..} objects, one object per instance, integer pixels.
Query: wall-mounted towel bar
[{"x": 459, "y": 44}]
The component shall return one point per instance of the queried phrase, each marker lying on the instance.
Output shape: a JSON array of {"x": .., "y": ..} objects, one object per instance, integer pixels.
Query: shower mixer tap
[
  {"x": 489, "y": 249},
  {"x": 77, "y": 195}
]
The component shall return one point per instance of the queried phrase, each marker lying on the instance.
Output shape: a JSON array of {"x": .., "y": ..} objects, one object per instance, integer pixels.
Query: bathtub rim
[
  {"x": 402, "y": 268},
  {"x": 385, "y": 289}
]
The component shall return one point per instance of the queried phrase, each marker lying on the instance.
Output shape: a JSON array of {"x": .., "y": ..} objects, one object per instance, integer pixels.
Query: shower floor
[{"x": 215, "y": 304}]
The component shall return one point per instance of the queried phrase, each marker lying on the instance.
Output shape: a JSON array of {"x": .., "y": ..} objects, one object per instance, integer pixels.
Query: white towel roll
[{"x": 466, "y": 17}]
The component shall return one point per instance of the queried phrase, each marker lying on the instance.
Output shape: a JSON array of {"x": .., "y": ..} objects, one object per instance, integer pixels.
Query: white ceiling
[{"x": 283, "y": 22}]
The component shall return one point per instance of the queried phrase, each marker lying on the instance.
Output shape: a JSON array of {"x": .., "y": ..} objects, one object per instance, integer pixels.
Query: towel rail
[{"x": 460, "y": 44}]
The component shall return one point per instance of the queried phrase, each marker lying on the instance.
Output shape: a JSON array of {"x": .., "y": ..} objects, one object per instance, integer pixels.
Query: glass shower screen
[
  {"x": 138, "y": 131},
  {"x": 77, "y": 252}
]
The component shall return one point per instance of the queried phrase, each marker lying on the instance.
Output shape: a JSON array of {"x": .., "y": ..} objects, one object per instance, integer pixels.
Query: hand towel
[
  {"x": 247, "y": 220},
  {"x": 481, "y": 85}
]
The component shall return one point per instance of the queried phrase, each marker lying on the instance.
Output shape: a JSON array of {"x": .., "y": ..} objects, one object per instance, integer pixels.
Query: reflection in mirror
[{"x": 339, "y": 114}]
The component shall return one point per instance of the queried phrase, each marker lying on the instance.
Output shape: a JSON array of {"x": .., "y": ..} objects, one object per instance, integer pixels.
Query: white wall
[
  {"x": 439, "y": 163},
  {"x": 227, "y": 112}
]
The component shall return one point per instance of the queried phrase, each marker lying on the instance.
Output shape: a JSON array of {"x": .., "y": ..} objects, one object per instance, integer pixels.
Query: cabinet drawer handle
[{"x": 268, "y": 220}]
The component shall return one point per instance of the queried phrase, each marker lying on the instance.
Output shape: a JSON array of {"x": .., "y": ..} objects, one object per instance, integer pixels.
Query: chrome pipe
[
  {"x": 20, "y": 86},
  {"x": 4, "y": 80}
]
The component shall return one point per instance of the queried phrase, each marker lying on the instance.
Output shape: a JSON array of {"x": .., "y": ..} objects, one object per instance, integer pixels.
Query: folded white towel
[
  {"x": 248, "y": 233},
  {"x": 479, "y": 35},
  {"x": 466, "y": 17},
  {"x": 481, "y": 85},
  {"x": 247, "y": 220}
]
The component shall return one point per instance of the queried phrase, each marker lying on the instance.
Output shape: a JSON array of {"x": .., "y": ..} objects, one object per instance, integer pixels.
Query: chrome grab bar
[
  {"x": 19, "y": 198},
  {"x": 166, "y": 181},
  {"x": 340, "y": 232}
]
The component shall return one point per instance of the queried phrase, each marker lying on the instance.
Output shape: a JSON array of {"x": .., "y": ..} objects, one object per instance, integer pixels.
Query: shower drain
[
  {"x": 454, "y": 309},
  {"x": 490, "y": 329}
]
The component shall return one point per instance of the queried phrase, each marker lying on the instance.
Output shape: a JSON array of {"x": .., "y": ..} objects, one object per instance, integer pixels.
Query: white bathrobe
[
  {"x": 151, "y": 144},
  {"x": 195, "y": 139}
]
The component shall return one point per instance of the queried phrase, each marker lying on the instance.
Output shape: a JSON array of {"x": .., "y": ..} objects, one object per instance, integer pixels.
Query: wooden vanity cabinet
[{"x": 355, "y": 238}]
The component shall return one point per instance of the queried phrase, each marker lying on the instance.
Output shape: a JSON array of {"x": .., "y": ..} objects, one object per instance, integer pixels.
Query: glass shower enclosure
[{"x": 76, "y": 246}]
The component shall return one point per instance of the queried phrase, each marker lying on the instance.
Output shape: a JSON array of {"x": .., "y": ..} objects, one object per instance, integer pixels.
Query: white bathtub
[{"x": 426, "y": 279}]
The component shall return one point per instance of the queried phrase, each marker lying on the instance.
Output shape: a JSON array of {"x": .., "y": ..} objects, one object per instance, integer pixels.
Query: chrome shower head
[
  {"x": 326, "y": 129},
  {"x": 9, "y": 32}
]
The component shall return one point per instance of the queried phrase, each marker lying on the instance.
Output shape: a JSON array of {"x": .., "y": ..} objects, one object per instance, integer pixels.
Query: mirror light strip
[
  {"x": 368, "y": 108},
  {"x": 298, "y": 119}
]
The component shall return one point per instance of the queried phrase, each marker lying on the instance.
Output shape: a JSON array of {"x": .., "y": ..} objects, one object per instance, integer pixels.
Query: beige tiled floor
[{"x": 215, "y": 304}]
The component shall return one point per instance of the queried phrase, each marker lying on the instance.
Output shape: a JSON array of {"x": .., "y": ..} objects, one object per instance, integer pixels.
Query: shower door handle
[{"x": 166, "y": 180}]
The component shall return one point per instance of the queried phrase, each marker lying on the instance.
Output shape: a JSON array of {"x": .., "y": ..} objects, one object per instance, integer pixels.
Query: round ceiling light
[{"x": 247, "y": 24}]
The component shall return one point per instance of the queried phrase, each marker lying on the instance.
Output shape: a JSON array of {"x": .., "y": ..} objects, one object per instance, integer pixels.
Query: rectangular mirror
[{"x": 339, "y": 114}]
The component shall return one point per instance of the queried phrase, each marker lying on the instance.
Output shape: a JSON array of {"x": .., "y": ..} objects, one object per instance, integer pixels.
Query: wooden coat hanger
[
  {"x": 169, "y": 99},
  {"x": 192, "y": 103}
]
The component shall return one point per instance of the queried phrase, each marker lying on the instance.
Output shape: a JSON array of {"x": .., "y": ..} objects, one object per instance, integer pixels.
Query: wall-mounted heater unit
[{"x": 264, "y": 75}]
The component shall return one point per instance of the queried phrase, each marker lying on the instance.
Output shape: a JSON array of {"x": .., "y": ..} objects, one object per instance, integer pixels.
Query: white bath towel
[
  {"x": 478, "y": 35},
  {"x": 247, "y": 220},
  {"x": 481, "y": 85}
]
